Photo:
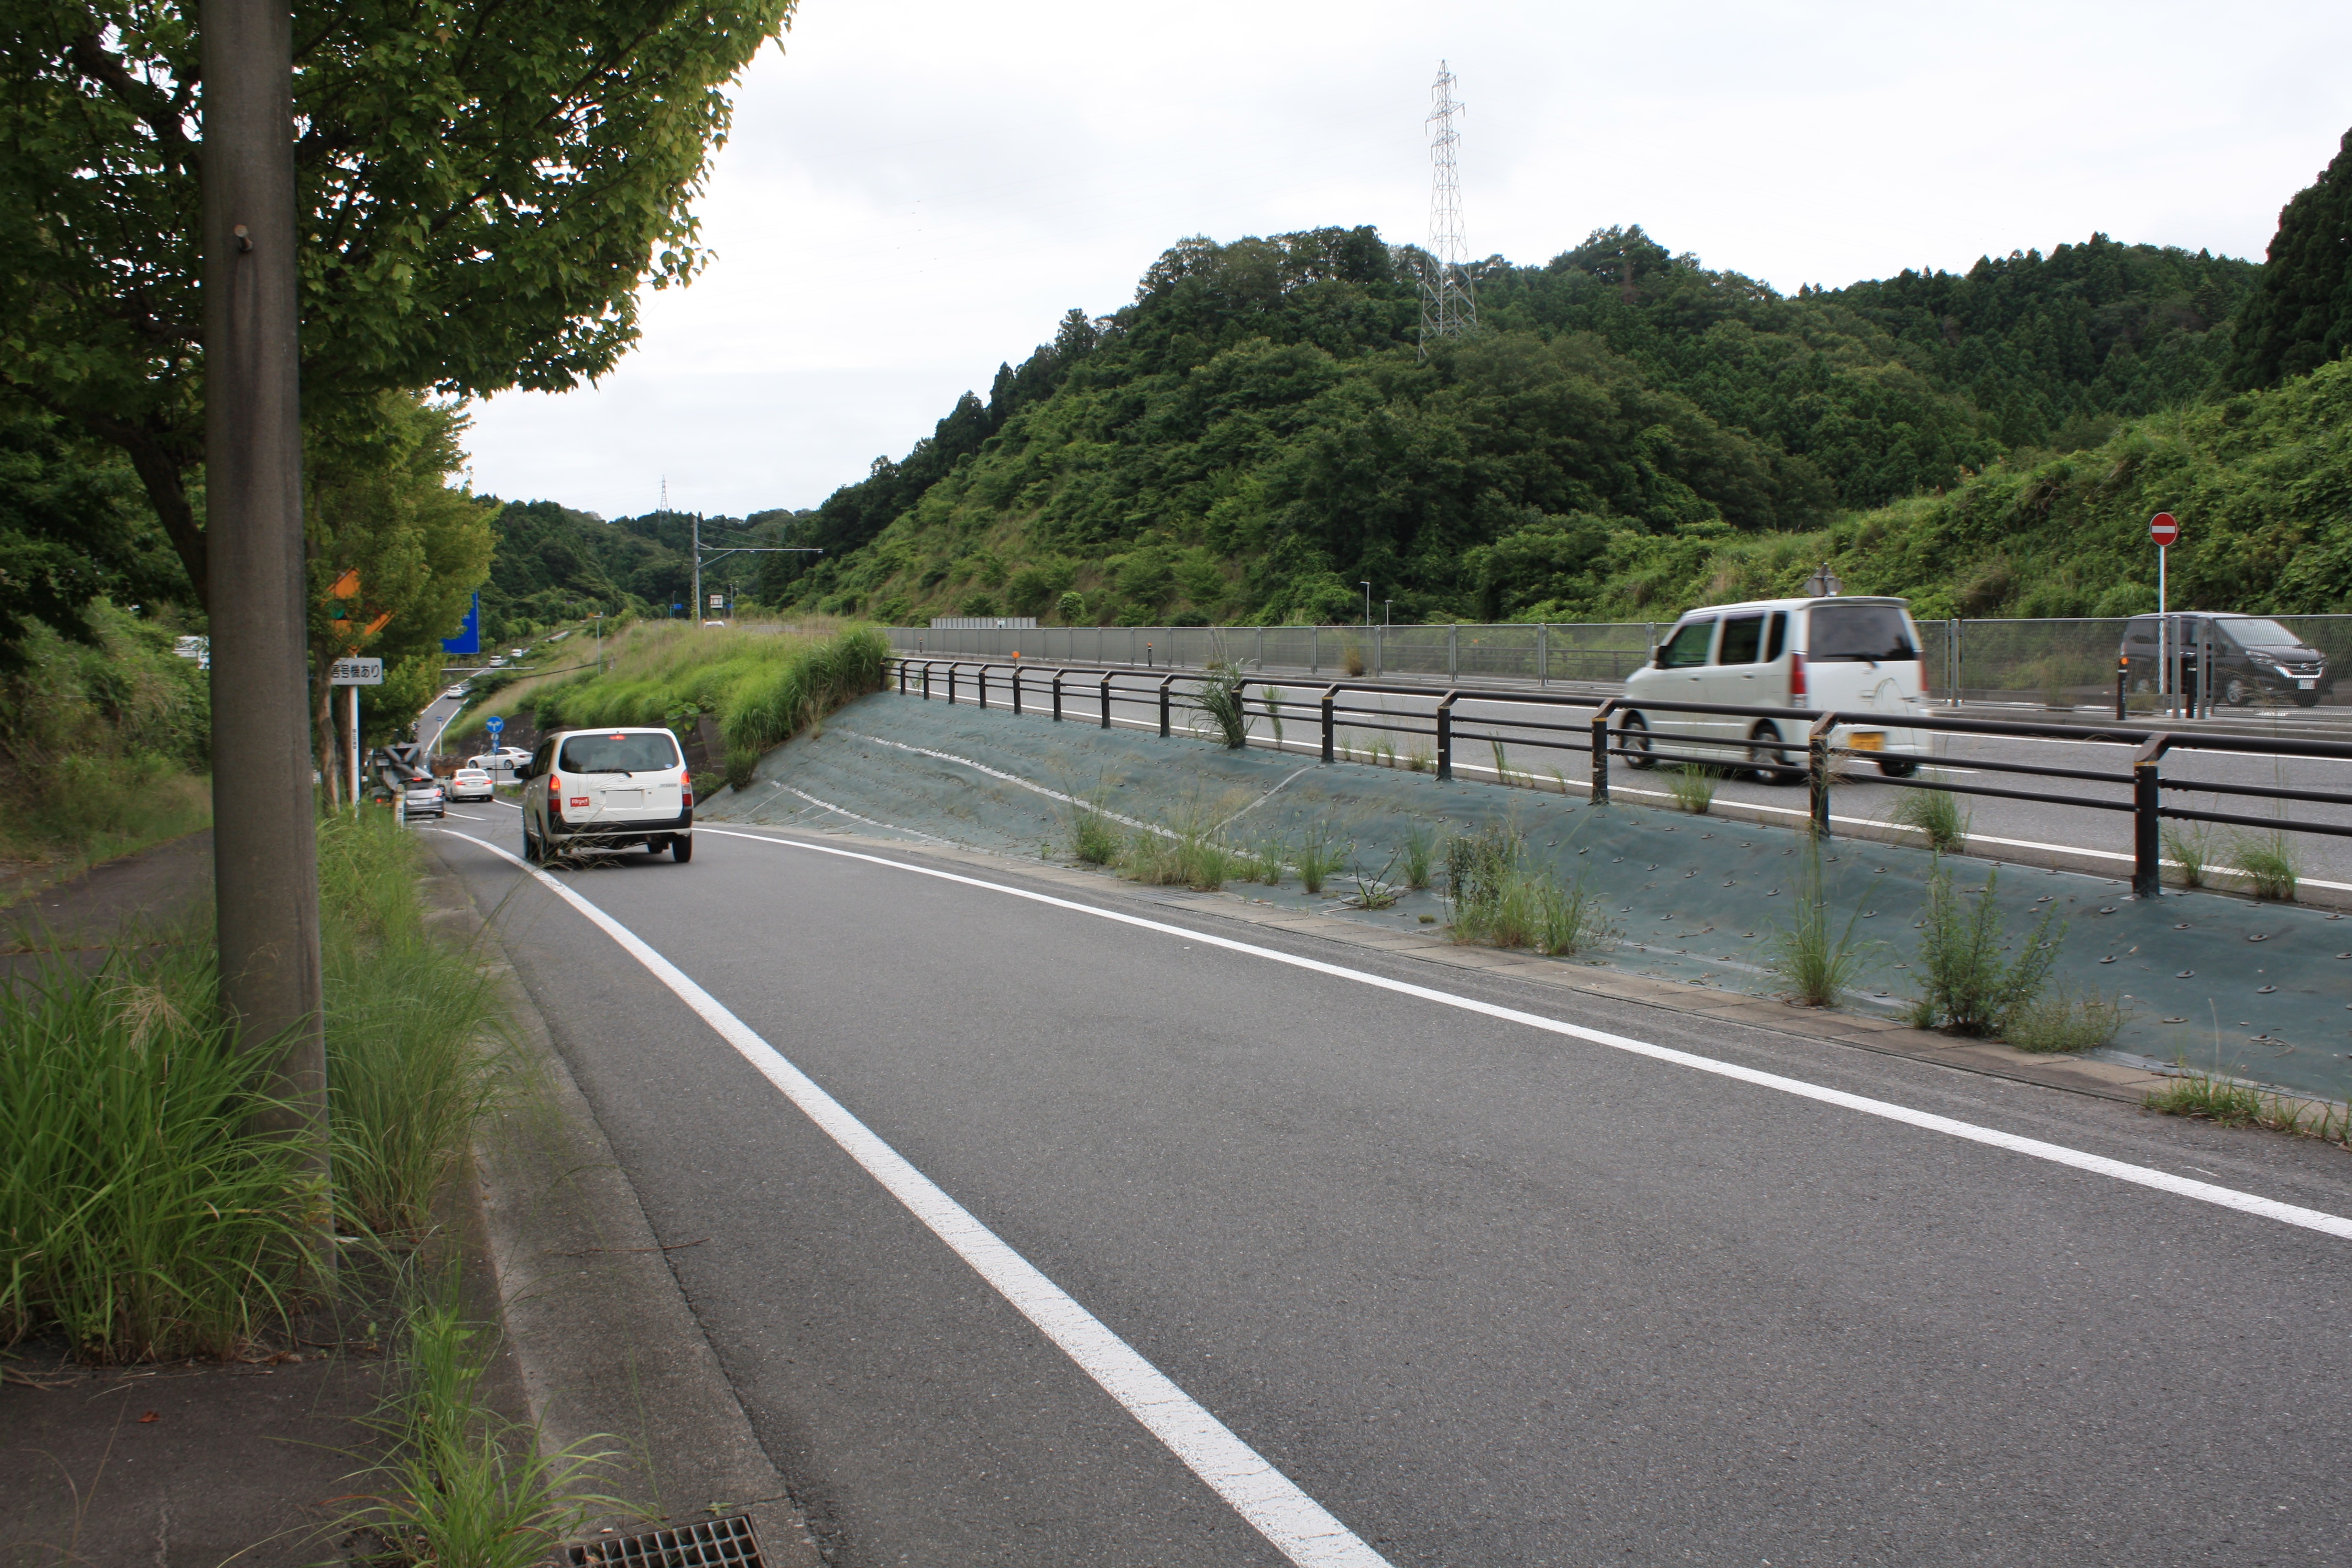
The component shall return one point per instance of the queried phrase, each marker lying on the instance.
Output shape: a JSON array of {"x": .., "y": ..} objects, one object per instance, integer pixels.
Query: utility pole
[
  {"x": 696, "y": 606},
  {"x": 265, "y": 845},
  {"x": 1368, "y": 605}
]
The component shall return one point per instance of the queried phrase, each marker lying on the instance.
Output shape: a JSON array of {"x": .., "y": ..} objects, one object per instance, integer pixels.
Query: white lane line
[
  {"x": 1012, "y": 779},
  {"x": 1300, "y": 1528},
  {"x": 869, "y": 821},
  {"x": 1263, "y": 798},
  {"x": 2056, "y": 1154}
]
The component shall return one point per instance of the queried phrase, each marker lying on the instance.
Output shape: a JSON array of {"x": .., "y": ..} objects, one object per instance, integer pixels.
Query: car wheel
[
  {"x": 1897, "y": 767},
  {"x": 1771, "y": 766},
  {"x": 533, "y": 851},
  {"x": 681, "y": 848},
  {"x": 2236, "y": 692},
  {"x": 1634, "y": 734}
]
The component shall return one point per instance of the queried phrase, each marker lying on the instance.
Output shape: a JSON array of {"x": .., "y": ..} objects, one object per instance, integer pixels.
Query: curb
[{"x": 607, "y": 1348}]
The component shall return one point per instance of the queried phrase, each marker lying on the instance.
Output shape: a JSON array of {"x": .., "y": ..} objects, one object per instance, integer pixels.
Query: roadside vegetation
[
  {"x": 104, "y": 747},
  {"x": 1501, "y": 899},
  {"x": 1974, "y": 987},
  {"x": 762, "y": 688},
  {"x": 1818, "y": 958},
  {"x": 2210, "y": 1097}
]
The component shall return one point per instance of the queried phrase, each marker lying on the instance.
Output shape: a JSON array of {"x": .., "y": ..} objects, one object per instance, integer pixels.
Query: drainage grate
[{"x": 720, "y": 1543}]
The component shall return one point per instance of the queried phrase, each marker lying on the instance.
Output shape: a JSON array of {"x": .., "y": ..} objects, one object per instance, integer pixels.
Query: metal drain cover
[{"x": 703, "y": 1544}]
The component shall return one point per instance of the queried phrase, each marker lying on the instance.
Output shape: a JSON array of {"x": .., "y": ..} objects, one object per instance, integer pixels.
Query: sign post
[
  {"x": 355, "y": 673},
  {"x": 496, "y": 727},
  {"x": 2165, "y": 530}
]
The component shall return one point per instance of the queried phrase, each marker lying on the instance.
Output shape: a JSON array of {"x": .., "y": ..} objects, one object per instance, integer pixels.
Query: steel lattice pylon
[{"x": 1448, "y": 309}]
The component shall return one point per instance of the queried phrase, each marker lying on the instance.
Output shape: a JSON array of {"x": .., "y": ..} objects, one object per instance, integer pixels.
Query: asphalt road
[{"x": 1490, "y": 1294}]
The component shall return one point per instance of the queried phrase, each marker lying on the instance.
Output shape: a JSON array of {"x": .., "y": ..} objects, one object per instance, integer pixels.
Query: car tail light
[
  {"x": 554, "y": 790},
  {"x": 685, "y": 790},
  {"x": 1796, "y": 678}
]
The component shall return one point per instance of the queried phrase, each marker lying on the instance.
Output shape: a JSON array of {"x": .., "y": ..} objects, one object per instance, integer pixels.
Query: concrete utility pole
[{"x": 264, "y": 847}]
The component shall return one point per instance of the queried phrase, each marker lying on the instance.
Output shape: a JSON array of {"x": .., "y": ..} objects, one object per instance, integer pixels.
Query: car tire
[
  {"x": 1772, "y": 767},
  {"x": 1897, "y": 767},
  {"x": 1633, "y": 735},
  {"x": 534, "y": 853},
  {"x": 2236, "y": 692},
  {"x": 681, "y": 848}
]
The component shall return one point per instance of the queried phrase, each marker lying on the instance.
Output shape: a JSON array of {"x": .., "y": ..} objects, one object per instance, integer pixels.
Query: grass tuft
[
  {"x": 1193, "y": 857},
  {"x": 1093, "y": 840},
  {"x": 1315, "y": 857},
  {"x": 1693, "y": 787},
  {"x": 1223, "y": 703},
  {"x": 1501, "y": 902},
  {"x": 2191, "y": 848},
  {"x": 1937, "y": 814},
  {"x": 1818, "y": 962},
  {"x": 1417, "y": 849},
  {"x": 2272, "y": 863},
  {"x": 2066, "y": 1021}
]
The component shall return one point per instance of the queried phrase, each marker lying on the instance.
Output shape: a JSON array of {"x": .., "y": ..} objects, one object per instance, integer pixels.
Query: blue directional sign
[
  {"x": 495, "y": 725},
  {"x": 469, "y": 635}
]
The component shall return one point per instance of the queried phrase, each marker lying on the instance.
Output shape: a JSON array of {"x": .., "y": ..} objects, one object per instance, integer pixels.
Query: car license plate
[
  {"x": 2307, "y": 683},
  {"x": 1866, "y": 740}
]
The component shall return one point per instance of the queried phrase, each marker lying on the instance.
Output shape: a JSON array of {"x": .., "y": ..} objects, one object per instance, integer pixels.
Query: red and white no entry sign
[{"x": 2163, "y": 529}]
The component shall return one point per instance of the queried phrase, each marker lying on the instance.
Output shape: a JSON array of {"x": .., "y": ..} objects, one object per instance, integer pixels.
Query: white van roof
[{"x": 1794, "y": 604}]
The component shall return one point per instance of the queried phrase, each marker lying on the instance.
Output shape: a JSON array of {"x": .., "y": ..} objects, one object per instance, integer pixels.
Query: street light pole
[
  {"x": 1368, "y": 607},
  {"x": 265, "y": 845},
  {"x": 696, "y": 606}
]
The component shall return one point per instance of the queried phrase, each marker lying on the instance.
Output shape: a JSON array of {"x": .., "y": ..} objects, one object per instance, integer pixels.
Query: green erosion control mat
[{"x": 2261, "y": 991}]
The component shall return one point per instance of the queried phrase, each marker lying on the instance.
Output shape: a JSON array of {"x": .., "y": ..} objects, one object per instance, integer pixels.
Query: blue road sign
[
  {"x": 469, "y": 635},
  {"x": 494, "y": 724}
]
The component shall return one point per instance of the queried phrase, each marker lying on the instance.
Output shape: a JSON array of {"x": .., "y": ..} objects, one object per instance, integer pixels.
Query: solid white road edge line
[
  {"x": 1300, "y": 1528},
  {"x": 2056, "y": 1154}
]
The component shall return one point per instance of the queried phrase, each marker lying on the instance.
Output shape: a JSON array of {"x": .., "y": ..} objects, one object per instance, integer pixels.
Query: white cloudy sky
[{"x": 916, "y": 189}]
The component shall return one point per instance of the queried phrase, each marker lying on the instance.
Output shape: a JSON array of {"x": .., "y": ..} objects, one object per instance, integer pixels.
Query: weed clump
[
  {"x": 1315, "y": 857},
  {"x": 1500, "y": 901},
  {"x": 1817, "y": 962},
  {"x": 1417, "y": 850},
  {"x": 1972, "y": 988},
  {"x": 1223, "y": 704},
  {"x": 1937, "y": 814},
  {"x": 1190, "y": 857},
  {"x": 2191, "y": 849},
  {"x": 1693, "y": 787},
  {"x": 1093, "y": 840},
  {"x": 2272, "y": 863},
  {"x": 2065, "y": 1022}
]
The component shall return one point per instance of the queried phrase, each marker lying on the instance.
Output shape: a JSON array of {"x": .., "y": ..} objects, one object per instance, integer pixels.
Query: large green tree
[
  {"x": 481, "y": 189},
  {"x": 2301, "y": 317}
]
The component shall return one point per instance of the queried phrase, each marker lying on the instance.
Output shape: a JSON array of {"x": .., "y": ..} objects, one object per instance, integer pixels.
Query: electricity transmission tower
[{"x": 1447, "y": 307}]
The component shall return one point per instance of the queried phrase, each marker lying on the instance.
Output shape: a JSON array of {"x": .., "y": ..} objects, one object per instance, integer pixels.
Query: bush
[{"x": 1971, "y": 989}]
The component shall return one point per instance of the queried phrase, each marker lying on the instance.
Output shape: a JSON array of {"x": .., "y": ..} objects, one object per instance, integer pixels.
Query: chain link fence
[{"x": 2052, "y": 664}]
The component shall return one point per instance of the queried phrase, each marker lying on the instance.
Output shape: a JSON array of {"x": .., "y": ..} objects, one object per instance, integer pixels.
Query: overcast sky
[{"x": 916, "y": 189}]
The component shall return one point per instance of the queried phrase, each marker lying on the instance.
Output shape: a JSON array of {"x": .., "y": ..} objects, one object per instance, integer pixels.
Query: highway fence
[
  {"x": 2055, "y": 665},
  {"x": 1780, "y": 744}
]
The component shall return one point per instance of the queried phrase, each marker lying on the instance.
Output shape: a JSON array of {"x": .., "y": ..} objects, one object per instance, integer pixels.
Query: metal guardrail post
[
  {"x": 902, "y": 677},
  {"x": 1600, "y": 751},
  {"x": 1817, "y": 773},
  {"x": 1164, "y": 685},
  {"x": 2147, "y": 836},
  {"x": 1106, "y": 698},
  {"x": 927, "y": 680},
  {"x": 1453, "y": 653},
  {"x": 952, "y": 668},
  {"x": 1328, "y": 697},
  {"x": 1016, "y": 688},
  {"x": 1543, "y": 654},
  {"x": 1446, "y": 738},
  {"x": 2123, "y": 673},
  {"x": 1057, "y": 694},
  {"x": 983, "y": 687}
]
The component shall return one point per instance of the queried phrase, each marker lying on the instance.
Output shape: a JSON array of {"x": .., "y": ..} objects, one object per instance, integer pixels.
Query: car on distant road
[
  {"x": 607, "y": 790},
  {"x": 423, "y": 797},
  {"x": 498, "y": 663},
  {"x": 1850, "y": 654},
  {"x": 472, "y": 784},
  {"x": 2254, "y": 659},
  {"x": 456, "y": 691}
]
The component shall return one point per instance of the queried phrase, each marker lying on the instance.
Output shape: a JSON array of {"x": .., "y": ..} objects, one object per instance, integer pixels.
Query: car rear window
[
  {"x": 1876, "y": 632},
  {"x": 618, "y": 753}
]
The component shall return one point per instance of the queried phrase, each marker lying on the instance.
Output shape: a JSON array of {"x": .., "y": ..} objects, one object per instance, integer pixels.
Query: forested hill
[
  {"x": 554, "y": 564},
  {"x": 1258, "y": 433}
]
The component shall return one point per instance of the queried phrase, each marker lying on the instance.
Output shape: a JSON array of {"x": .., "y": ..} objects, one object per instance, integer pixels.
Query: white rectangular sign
[{"x": 357, "y": 672}]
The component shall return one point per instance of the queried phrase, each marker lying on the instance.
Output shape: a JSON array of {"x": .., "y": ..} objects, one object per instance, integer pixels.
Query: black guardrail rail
[{"x": 1619, "y": 727}]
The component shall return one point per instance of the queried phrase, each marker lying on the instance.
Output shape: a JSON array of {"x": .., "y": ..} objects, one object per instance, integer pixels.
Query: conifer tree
[{"x": 2301, "y": 317}]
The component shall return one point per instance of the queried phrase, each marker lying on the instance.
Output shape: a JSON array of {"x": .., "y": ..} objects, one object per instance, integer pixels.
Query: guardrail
[{"x": 1098, "y": 686}]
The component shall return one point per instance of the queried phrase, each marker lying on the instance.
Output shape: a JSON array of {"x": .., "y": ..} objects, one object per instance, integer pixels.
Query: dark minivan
[{"x": 2254, "y": 659}]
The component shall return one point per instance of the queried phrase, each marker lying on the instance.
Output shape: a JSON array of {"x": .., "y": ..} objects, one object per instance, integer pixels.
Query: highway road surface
[{"x": 1040, "y": 1226}]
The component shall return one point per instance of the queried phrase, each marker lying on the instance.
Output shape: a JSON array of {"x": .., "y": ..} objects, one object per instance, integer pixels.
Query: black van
[{"x": 2254, "y": 659}]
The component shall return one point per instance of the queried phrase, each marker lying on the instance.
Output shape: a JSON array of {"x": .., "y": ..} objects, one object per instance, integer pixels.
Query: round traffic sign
[
  {"x": 494, "y": 723},
  {"x": 2162, "y": 529}
]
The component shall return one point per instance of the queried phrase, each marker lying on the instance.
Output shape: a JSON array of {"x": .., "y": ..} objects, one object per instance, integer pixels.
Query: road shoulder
[{"x": 604, "y": 1342}]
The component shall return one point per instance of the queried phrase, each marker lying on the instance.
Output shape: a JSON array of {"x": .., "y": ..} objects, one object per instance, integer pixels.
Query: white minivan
[
  {"x": 607, "y": 789},
  {"x": 1843, "y": 653}
]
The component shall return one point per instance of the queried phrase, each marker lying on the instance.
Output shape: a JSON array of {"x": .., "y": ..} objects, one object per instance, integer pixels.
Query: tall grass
[
  {"x": 139, "y": 1214},
  {"x": 1819, "y": 962},
  {"x": 2272, "y": 863},
  {"x": 1972, "y": 988},
  {"x": 1501, "y": 902},
  {"x": 1316, "y": 856},
  {"x": 1937, "y": 814},
  {"x": 1223, "y": 704},
  {"x": 1692, "y": 786},
  {"x": 1093, "y": 840},
  {"x": 2190, "y": 849},
  {"x": 464, "y": 1487},
  {"x": 1417, "y": 849},
  {"x": 1193, "y": 857}
]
